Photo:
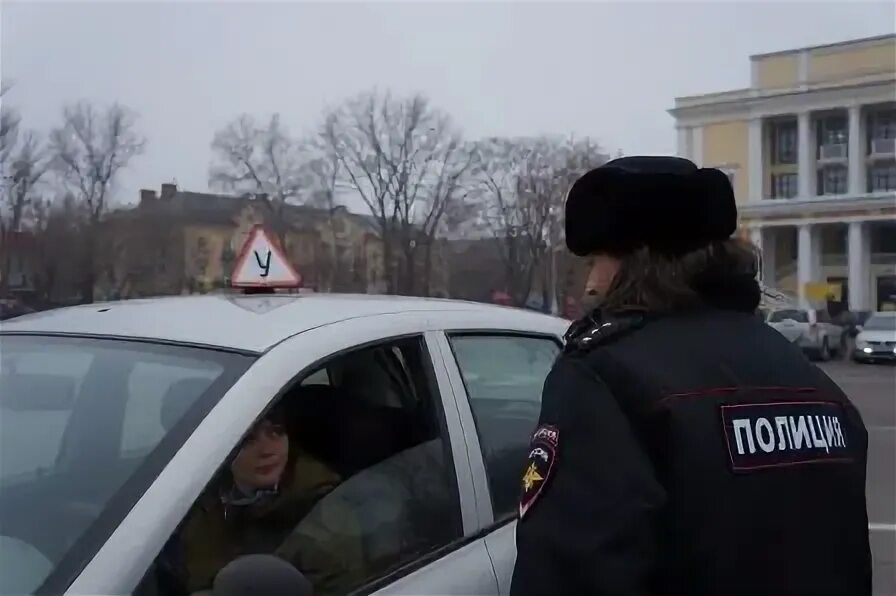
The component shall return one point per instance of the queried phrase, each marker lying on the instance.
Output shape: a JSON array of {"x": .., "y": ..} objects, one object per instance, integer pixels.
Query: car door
[
  {"x": 455, "y": 562},
  {"x": 498, "y": 376}
]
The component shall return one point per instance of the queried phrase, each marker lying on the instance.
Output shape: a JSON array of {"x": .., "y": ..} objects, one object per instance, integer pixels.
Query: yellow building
[
  {"x": 176, "y": 242},
  {"x": 810, "y": 148}
]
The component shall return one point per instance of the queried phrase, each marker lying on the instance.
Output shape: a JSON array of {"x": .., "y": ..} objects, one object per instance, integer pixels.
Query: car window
[
  {"x": 363, "y": 484},
  {"x": 319, "y": 377},
  {"x": 69, "y": 368},
  {"x": 880, "y": 323},
  {"x": 154, "y": 391},
  {"x": 504, "y": 376},
  {"x": 64, "y": 402}
]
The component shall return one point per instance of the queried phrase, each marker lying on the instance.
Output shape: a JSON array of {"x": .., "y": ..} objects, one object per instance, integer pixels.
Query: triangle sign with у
[{"x": 262, "y": 264}]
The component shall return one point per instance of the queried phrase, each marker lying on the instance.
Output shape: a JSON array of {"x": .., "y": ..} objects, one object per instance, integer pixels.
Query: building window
[
  {"x": 833, "y": 137},
  {"x": 882, "y": 178},
  {"x": 832, "y": 181},
  {"x": 882, "y": 132},
  {"x": 784, "y": 142},
  {"x": 882, "y": 124},
  {"x": 784, "y": 186},
  {"x": 832, "y": 131}
]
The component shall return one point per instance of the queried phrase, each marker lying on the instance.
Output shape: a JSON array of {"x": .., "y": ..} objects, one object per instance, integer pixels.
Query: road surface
[{"x": 873, "y": 389}]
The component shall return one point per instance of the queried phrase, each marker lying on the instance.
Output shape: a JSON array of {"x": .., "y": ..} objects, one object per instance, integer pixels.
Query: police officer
[{"x": 685, "y": 447}]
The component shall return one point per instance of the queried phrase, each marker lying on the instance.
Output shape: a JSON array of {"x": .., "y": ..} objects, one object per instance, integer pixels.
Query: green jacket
[{"x": 330, "y": 556}]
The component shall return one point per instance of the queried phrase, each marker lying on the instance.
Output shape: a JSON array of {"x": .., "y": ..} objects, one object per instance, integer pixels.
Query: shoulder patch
[
  {"x": 779, "y": 434},
  {"x": 539, "y": 465},
  {"x": 588, "y": 334}
]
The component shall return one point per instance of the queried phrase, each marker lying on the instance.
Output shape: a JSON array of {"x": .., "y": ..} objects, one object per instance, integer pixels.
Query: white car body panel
[
  {"x": 877, "y": 336},
  {"x": 293, "y": 340},
  {"x": 251, "y": 323},
  {"x": 790, "y": 329}
]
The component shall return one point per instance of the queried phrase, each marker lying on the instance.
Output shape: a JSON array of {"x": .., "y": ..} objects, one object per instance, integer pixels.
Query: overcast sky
[{"x": 606, "y": 70}]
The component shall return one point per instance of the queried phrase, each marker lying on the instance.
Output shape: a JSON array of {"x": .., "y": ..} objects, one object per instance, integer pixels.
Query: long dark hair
[{"x": 722, "y": 274}]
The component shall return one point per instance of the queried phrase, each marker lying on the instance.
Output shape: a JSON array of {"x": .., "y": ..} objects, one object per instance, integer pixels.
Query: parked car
[
  {"x": 876, "y": 341},
  {"x": 852, "y": 321},
  {"x": 812, "y": 330},
  {"x": 117, "y": 416},
  {"x": 13, "y": 308}
]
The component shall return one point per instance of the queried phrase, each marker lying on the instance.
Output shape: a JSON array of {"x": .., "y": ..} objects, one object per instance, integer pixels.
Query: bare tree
[
  {"x": 520, "y": 185},
  {"x": 447, "y": 202},
  {"x": 88, "y": 152},
  {"x": 392, "y": 152},
  {"x": 21, "y": 167},
  {"x": 321, "y": 181},
  {"x": 58, "y": 230},
  {"x": 25, "y": 169},
  {"x": 9, "y": 129},
  {"x": 260, "y": 159}
]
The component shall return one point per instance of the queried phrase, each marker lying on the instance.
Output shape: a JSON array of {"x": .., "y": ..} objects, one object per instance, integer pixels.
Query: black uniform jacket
[{"x": 699, "y": 454}]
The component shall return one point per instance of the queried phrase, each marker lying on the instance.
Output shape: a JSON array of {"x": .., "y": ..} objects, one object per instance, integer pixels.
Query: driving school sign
[{"x": 262, "y": 264}]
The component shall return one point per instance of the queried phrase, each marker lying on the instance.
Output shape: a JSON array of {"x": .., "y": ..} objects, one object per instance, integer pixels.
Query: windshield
[
  {"x": 800, "y": 316},
  {"x": 880, "y": 323},
  {"x": 85, "y": 427}
]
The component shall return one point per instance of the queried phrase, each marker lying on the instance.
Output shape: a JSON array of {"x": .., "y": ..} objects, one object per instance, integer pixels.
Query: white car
[
  {"x": 812, "y": 330},
  {"x": 876, "y": 342},
  {"x": 117, "y": 416}
]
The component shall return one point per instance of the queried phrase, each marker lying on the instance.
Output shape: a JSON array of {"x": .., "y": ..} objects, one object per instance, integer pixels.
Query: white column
[
  {"x": 806, "y": 260},
  {"x": 756, "y": 235},
  {"x": 870, "y": 282},
  {"x": 769, "y": 257},
  {"x": 858, "y": 265},
  {"x": 697, "y": 145},
  {"x": 682, "y": 134},
  {"x": 755, "y": 160},
  {"x": 856, "y": 153},
  {"x": 805, "y": 155}
]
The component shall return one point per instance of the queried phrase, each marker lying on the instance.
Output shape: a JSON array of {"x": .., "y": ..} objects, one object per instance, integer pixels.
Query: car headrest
[
  {"x": 178, "y": 399},
  {"x": 345, "y": 432}
]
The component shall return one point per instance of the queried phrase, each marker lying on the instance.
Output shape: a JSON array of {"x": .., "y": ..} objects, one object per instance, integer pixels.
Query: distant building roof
[{"x": 221, "y": 209}]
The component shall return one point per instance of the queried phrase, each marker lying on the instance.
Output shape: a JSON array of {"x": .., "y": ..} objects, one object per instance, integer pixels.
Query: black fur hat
[{"x": 664, "y": 203}]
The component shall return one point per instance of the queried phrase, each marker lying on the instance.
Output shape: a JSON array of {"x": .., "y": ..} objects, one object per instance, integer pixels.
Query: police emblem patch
[{"x": 539, "y": 465}]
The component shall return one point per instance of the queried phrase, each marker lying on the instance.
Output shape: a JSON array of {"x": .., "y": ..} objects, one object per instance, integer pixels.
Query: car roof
[{"x": 251, "y": 323}]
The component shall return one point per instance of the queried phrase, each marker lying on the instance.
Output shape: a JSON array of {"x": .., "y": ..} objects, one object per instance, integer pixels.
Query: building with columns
[{"x": 810, "y": 148}]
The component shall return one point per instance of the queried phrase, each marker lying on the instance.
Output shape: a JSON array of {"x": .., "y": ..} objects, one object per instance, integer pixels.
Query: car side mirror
[
  {"x": 260, "y": 574},
  {"x": 859, "y": 328}
]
